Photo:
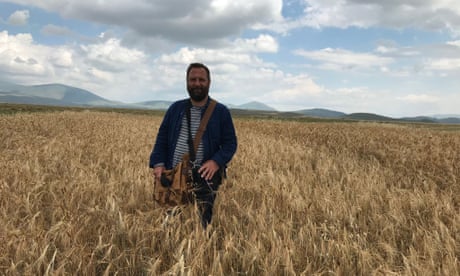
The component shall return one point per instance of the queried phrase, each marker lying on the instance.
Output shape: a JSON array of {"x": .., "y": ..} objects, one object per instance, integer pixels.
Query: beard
[{"x": 198, "y": 93}]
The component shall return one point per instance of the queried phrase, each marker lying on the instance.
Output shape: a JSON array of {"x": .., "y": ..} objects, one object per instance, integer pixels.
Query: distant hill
[
  {"x": 51, "y": 94},
  {"x": 161, "y": 105},
  {"x": 445, "y": 116},
  {"x": 8, "y": 97},
  {"x": 247, "y": 106},
  {"x": 64, "y": 95},
  {"x": 368, "y": 117},
  {"x": 321, "y": 113},
  {"x": 420, "y": 119},
  {"x": 254, "y": 106},
  {"x": 449, "y": 120}
]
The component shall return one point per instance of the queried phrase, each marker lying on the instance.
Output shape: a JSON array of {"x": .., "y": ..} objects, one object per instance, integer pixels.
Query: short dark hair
[{"x": 198, "y": 65}]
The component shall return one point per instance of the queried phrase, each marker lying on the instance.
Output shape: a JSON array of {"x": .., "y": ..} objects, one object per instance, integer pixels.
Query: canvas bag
[
  {"x": 176, "y": 185},
  {"x": 178, "y": 190}
]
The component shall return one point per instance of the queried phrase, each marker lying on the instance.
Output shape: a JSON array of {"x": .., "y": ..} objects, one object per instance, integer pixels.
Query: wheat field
[{"x": 300, "y": 199}]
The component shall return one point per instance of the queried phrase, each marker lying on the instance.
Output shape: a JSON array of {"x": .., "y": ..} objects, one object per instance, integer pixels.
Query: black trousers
[{"x": 205, "y": 195}]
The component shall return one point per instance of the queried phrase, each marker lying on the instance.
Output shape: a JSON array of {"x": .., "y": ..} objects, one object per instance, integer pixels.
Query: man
[{"x": 217, "y": 146}]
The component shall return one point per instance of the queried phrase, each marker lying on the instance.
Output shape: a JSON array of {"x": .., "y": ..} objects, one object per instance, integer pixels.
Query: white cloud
[
  {"x": 339, "y": 14},
  {"x": 107, "y": 69},
  {"x": 444, "y": 64},
  {"x": 51, "y": 29},
  {"x": 111, "y": 56},
  {"x": 419, "y": 98},
  {"x": 18, "y": 56},
  {"x": 454, "y": 43},
  {"x": 428, "y": 14},
  {"x": 19, "y": 18},
  {"x": 194, "y": 21},
  {"x": 439, "y": 59},
  {"x": 295, "y": 90},
  {"x": 116, "y": 72},
  {"x": 239, "y": 76},
  {"x": 263, "y": 43},
  {"x": 62, "y": 57},
  {"x": 238, "y": 52},
  {"x": 99, "y": 75},
  {"x": 236, "y": 71},
  {"x": 431, "y": 15},
  {"x": 339, "y": 59}
]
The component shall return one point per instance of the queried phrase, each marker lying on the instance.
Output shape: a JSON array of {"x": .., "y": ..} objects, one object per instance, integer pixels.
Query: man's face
[{"x": 198, "y": 84}]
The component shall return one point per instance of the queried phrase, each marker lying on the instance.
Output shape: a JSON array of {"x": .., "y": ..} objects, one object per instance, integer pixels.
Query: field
[{"x": 301, "y": 198}]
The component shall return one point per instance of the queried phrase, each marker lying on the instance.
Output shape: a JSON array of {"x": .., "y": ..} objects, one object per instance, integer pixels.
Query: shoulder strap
[
  {"x": 203, "y": 124},
  {"x": 193, "y": 147}
]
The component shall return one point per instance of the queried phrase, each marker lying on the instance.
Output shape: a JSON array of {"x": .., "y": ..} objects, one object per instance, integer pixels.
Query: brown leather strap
[{"x": 203, "y": 123}]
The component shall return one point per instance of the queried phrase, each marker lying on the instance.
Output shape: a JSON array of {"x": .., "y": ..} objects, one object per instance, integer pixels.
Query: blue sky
[{"x": 394, "y": 58}]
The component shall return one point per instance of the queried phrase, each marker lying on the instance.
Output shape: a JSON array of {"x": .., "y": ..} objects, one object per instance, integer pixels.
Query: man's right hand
[{"x": 157, "y": 171}]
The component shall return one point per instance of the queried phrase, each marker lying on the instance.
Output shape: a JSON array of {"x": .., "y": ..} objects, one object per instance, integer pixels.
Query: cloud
[
  {"x": 19, "y": 57},
  {"x": 195, "y": 21},
  {"x": 263, "y": 43},
  {"x": 419, "y": 98},
  {"x": 455, "y": 43},
  {"x": 239, "y": 51},
  {"x": 391, "y": 59},
  {"x": 106, "y": 68},
  {"x": 427, "y": 14},
  {"x": 235, "y": 69},
  {"x": 340, "y": 59},
  {"x": 427, "y": 58},
  {"x": 19, "y": 18},
  {"x": 116, "y": 72},
  {"x": 62, "y": 57},
  {"x": 444, "y": 64},
  {"x": 111, "y": 56},
  {"x": 295, "y": 90},
  {"x": 393, "y": 50},
  {"x": 51, "y": 29},
  {"x": 430, "y": 15}
]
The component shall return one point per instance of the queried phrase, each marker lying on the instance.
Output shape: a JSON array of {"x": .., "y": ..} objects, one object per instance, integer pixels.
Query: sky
[{"x": 394, "y": 58}]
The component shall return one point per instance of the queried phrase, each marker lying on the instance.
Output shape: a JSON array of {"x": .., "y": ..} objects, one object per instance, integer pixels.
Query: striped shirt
[{"x": 182, "y": 141}]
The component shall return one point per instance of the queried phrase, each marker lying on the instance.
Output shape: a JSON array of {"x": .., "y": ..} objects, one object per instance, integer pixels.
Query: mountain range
[{"x": 64, "y": 95}]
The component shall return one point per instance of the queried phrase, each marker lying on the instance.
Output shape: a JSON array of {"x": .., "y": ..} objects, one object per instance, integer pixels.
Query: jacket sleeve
[
  {"x": 228, "y": 145},
  {"x": 159, "y": 153}
]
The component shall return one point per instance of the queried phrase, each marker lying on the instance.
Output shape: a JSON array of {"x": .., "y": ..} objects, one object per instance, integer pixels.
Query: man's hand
[
  {"x": 157, "y": 171},
  {"x": 208, "y": 169}
]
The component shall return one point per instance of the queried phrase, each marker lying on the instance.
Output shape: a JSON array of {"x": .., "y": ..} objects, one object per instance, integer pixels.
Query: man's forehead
[{"x": 197, "y": 72}]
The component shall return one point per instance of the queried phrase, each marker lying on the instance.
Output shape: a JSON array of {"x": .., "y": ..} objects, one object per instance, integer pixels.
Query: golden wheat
[{"x": 300, "y": 199}]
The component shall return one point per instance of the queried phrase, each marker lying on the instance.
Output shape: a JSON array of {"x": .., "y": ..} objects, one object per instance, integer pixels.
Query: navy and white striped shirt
[{"x": 182, "y": 141}]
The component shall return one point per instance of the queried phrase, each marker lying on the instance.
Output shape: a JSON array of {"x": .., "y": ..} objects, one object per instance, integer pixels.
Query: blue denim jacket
[{"x": 219, "y": 138}]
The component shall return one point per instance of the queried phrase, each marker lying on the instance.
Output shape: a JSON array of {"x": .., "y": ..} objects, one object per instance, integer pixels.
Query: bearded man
[{"x": 216, "y": 148}]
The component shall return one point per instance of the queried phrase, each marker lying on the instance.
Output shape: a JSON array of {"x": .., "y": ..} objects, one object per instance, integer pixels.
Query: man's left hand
[{"x": 208, "y": 169}]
